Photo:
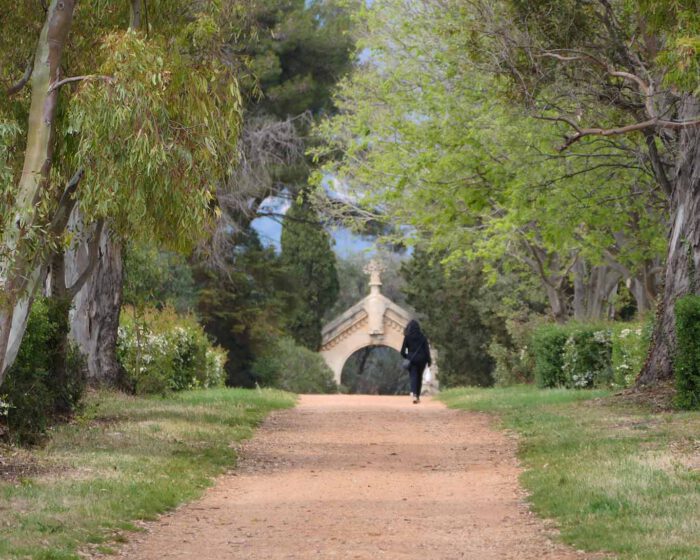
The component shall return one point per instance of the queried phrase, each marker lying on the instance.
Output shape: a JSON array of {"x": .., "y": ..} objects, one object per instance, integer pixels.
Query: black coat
[{"x": 415, "y": 348}]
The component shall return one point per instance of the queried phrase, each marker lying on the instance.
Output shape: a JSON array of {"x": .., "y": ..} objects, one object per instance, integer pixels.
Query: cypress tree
[{"x": 307, "y": 252}]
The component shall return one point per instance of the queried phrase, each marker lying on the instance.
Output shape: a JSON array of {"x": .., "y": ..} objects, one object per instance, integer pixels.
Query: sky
[{"x": 346, "y": 242}]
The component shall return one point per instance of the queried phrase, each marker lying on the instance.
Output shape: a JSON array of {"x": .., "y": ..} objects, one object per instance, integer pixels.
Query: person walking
[{"x": 416, "y": 353}]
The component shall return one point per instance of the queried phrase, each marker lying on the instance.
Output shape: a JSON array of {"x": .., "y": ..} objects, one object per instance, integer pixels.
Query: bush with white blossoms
[
  {"x": 586, "y": 358},
  {"x": 4, "y": 406},
  {"x": 630, "y": 348},
  {"x": 580, "y": 355},
  {"x": 162, "y": 351}
]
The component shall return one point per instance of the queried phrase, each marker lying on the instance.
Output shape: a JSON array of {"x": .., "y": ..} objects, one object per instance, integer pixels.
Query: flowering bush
[
  {"x": 586, "y": 359},
  {"x": 630, "y": 345},
  {"x": 162, "y": 351},
  {"x": 4, "y": 406},
  {"x": 580, "y": 355}
]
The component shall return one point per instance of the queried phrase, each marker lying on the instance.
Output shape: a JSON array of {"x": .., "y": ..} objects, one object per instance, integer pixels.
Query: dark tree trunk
[
  {"x": 59, "y": 311},
  {"x": 95, "y": 318},
  {"x": 683, "y": 250}
]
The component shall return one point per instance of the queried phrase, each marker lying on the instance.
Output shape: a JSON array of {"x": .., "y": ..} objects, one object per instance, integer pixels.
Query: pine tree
[{"x": 307, "y": 252}]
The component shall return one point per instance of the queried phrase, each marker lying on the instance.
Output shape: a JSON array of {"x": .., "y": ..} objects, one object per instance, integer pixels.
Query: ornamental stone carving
[{"x": 374, "y": 321}]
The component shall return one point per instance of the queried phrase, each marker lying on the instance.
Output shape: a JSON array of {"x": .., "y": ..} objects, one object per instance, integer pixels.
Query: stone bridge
[{"x": 374, "y": 321}]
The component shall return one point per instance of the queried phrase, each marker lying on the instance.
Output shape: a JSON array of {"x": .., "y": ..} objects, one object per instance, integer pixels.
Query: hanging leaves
[{"x": 156, "y": 139}]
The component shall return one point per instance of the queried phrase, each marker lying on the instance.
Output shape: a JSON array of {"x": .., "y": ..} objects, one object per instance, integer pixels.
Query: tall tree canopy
[
  {"x": 127, "y": 125},
  {"x": 454, "y": 126},
  {"x": 308, "y": 254}
]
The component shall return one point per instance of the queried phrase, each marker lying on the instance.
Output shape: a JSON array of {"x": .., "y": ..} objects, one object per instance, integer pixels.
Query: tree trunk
[
  {"x": 683, "y": 249},
  {"x": 593, "y": 289},
  {"x": 95, "y": 317},
  {"x": 136, "y": 14},
  {"x": 645, "y": 286},
  {"x": 24, "y": 271},
  {"x": 557, "y": 304}
]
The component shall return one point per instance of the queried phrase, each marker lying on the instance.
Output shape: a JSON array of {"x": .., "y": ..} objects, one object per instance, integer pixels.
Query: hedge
[
  {"x": 162, "y": 351},
  {"x": 37, "y": 388},
  {"x": 287, "y": 365},
  {"x": 581, "y": 355},
  {"x": 686, "y": 364}
]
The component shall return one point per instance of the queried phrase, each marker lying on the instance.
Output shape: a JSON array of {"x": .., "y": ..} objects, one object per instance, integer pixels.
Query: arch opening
[{"x": 374, "y": 370}]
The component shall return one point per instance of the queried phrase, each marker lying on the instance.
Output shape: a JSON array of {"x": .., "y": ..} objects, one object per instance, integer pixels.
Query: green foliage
[
  {"x": 157, "y": 279},
  {"x": 580, "y": 355},
  {"x": 630, "y": 347},
  {"x": 295, "y": 51},
  {"x": 161, "y": 351},
  {"x": 587, "y": 357},
  {"x": 246, "y": 307},
  {"x": 38, "y": 387},
  {"x": 514, "y": 359},
  {"x": 427, "y": 135},
  {"x": 9, "y": 131},
  {"x": 679, "y": 23},
  {"x": 307, "y": 253},
  {"x": 686, "y": 363},
  {"x": 287, "y": 365},
  {"x": 452, "y": 320},
  {"x": 155, "y": 139},
  {"x": 548, "y": 347},
  {"x": 576, "y": 356}
]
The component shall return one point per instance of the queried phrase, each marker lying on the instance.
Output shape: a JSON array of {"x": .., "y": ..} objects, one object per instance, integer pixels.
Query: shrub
[
  {"x": 289, "y": 366},
  {"x": 587, "y": 356},
  {"x": 548, "y": 347},
  {"x": 687, "y": 359},
  {"x": 630, "y": 345},
  {"x": 516, "y": 363},
  {"x": 580, "y": 355},
  {"x": 38, "y": 386},
  {"x": 162, "y": 351}
]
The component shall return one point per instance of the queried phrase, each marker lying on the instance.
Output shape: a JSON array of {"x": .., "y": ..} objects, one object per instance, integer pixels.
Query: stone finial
[{"x": 374, "y": 268}]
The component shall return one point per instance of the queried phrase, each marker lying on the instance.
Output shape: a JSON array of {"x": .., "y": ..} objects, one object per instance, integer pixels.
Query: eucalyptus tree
[{"x": 136, "y": 137}]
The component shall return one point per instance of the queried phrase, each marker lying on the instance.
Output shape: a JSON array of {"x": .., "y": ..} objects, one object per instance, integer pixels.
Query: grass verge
[
  {"x": 614, "y": 476},
  {"x": 125, "y": 459}
]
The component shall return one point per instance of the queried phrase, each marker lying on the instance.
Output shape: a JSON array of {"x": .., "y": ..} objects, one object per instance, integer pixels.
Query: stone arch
[{"x": 374, "y": 321}]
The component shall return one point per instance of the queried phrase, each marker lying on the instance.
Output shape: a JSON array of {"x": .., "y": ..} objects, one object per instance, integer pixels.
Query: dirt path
[{"x": 361, "y": 477}]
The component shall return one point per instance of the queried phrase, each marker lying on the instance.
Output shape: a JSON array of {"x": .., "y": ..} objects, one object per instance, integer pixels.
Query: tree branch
[
  {"x": 53, "y": 87},
  {"x": 23, "y": 81},
  {"x": 651, "y": 123},
  {"x": 644, "y": 88},
  {"x": 66, "y": 203}
]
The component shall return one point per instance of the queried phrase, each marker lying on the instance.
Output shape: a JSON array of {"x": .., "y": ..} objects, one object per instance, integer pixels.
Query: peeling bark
[
  {"x": 683, "y": 257},
  {"x": 594, "y": 287},
  {"x": 95, "y": 316},
  {"x": 24, "y": 270}
]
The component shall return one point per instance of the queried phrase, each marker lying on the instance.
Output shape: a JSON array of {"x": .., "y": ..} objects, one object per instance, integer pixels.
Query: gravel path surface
[{"x": 352, "y": 476}]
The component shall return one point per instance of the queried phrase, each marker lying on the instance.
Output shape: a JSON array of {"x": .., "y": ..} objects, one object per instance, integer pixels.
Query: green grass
[
  {"x": 125, "y": 459},
  {"x": 615, "y": 477}
]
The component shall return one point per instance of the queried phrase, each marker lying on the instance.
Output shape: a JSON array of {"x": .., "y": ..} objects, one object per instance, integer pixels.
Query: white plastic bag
[{"x": 427, "y": 375}]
